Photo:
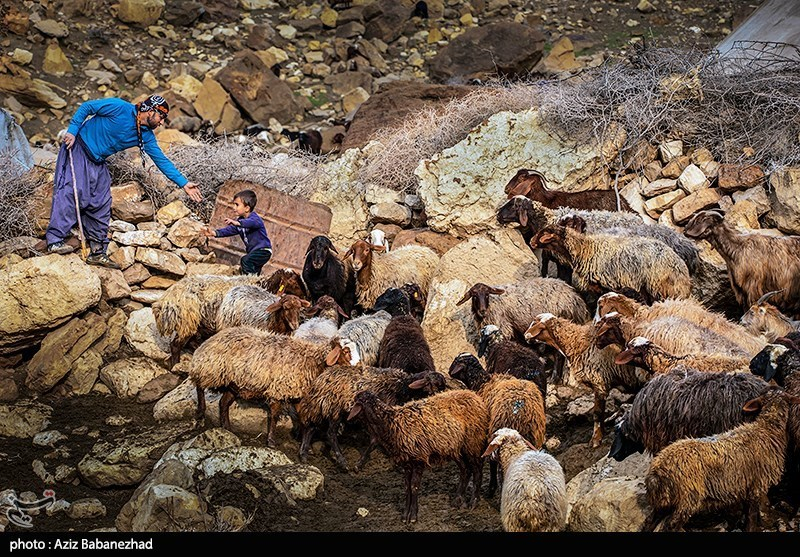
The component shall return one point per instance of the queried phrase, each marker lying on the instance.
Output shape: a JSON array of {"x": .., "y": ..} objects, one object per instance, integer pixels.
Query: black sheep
[
  {"x": 403, "y": 345},
  {"x": 508, "y": 356},
  {"x": 325, "y": 274}
]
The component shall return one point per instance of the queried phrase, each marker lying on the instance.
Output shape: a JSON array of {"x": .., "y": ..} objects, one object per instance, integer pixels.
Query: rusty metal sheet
[{"x": 291, "y": 223}]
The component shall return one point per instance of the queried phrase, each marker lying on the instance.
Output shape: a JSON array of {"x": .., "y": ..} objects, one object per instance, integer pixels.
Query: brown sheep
[
  {"x": 709, "y": 473},
  {"x": 756, "y": 263},
  {"x": 533, "y": 185},
  {"x": 765, "y": 319},
  {"x": 450, "y": 425}
]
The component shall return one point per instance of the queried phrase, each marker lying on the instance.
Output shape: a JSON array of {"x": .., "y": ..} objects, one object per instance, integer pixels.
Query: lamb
[
  {"x": 323, "y": 323},
  {"x": 765, "y": 319},
  {"x": 674, "y": 334},
  {"x": 508, "y": 356},
  {"x": 255, "y": 364},
  {"x": 255, "y": 307},
  {"x": 692, "y": 475},
  {"x": 603, "y": 262},
  {"x": 325, "y": 274},
  {"x": 376, "y": 273},
  {"x": 589, "y": 364},
  {"x": 512, "y": 402},
  {"x": 403, "y": 345},
  {"x": 644, "y": 353},
  {"x": 534, "y": 495},
  {"x": 533, "y": 185},
  {"x": 450, "y": 425},
  {"x": 756, "y": 263},
  {"x": 683, "y": 403},
  {"x": 189, "y": 307},
  {"x": 332, "y": 393},
  {"x": 688, "y": 309}
]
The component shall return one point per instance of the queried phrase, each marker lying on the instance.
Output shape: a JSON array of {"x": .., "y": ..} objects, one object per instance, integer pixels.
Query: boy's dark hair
[{"x": 248, "y": 197}]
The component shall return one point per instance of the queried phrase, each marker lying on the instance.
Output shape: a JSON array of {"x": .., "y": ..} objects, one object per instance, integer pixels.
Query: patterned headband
[{"x": 154, "y": 102}]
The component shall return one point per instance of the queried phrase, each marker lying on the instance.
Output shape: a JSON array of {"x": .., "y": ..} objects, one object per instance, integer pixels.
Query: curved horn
[{"x": 767, "y": 296}]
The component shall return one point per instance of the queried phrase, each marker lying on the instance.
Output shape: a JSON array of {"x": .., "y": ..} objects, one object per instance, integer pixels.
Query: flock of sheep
[{"x": 716, "y": 400}]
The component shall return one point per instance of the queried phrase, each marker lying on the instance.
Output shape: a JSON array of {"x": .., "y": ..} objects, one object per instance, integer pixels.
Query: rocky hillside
[{"x": 228, "y": 64}]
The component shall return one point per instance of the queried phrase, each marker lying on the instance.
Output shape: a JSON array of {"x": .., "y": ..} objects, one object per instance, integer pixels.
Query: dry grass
[
  {"x": 18, "y": 191},
  {"x": 213, "y": 162}
]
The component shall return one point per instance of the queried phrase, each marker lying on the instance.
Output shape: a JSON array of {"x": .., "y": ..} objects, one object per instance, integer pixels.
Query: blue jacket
[
  {"x": 112, "y": 128},
  {"x": 251, "y": 230}
]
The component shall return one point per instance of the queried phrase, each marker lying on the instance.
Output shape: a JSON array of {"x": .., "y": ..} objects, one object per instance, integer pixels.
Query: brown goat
[
  {"x": 756, "y": 263},
  {"x": 533, "y": 185},
  {"x": 765, "y": 319}
]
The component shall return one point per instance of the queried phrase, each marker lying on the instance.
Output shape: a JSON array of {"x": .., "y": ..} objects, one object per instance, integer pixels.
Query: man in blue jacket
[{"x": 115, "y": 125}]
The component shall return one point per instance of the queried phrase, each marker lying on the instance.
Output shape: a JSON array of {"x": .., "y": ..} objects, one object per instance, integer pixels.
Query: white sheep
[{"x": 534, "y": 494}]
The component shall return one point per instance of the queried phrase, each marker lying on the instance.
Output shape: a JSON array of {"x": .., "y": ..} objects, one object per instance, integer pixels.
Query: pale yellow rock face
[{"x": 143, "y": 12}]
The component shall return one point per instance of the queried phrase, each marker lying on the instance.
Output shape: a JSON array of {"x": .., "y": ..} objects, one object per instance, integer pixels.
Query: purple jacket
[{"x": 251, "y": 230}]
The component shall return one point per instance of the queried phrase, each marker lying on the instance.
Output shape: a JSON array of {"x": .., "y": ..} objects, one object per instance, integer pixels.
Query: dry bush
[
  {"x": 392, "y": 163},
  {"x": 18, "y": 191},
  {"x": 728, "y": 104},
  {"x": 213, "y": 162}
]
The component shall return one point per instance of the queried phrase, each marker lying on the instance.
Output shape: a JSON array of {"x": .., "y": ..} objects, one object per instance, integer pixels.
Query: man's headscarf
[{"x": 153, "y": 102}]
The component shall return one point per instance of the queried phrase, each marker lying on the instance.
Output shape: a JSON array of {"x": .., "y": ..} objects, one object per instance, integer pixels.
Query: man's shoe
[
  {"x": 102, "y": 260},
  {"x": 60, "y": 248}
]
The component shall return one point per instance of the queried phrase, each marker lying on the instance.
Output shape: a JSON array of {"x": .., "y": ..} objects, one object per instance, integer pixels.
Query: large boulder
[
  {"x": 503, "y": 49},
  {"x": 27, "y": 303},
  {"x": 612, "y": 505},
  {"x": 785, "y": 199},
  {"x": 24, "y": 419},
  {"x": 338, "y": 189},
  {"x": 495, "y": 257},
  {"x": 141, "y": 332},
  {"x": 462, "y": 186},
  {"x": 127, "y": 376},
  {"x": 142, "y": 12}
]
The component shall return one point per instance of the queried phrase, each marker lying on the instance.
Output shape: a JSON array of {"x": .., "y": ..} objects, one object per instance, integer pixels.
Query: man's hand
[
  {"x": 69, "y": 140},
  {"x": 192, "y": 190}
]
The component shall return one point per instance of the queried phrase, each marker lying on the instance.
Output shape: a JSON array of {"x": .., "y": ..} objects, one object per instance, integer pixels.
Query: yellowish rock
[
  {"x": 328, "y": 17},
  {"x": 21, "y": 56},
  {"x": 55, "y": 61},
  {"x": 149, "y": 80},
  {"x": 434, "y": 35},
  {"x": 186, "y": 86}
]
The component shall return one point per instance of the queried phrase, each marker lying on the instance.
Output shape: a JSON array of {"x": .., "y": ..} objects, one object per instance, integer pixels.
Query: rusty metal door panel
[{"x": 291, "y": 223}]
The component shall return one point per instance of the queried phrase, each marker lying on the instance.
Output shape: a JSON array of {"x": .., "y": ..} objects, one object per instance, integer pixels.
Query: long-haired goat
[
  {"x": 533, "y": 185},
  {"x": 756, "y": 263},
  {"x": 446, "y": 426},
  {"x": 765, "y": 319},
  {"x": 709, "y": 473}
]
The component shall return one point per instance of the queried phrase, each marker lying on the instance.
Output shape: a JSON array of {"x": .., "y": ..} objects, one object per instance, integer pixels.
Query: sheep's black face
[
  {"x": 764, "y": 363},
  {"x": 319, "y": 250},
  {"x": 508, "y": 213},
  {"x": 622, "y": 446},
  {"x": 394, "y": 301}
]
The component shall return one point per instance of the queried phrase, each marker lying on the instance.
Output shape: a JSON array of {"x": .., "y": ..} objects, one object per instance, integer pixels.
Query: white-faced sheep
[
  {"x": 253, "y": 306},
  {"x": 602, "y": 262},
  {"x": 589, "y": 365},
  {"x": 756, "y": 263},
  {"x": 446, "y": 426},
  {"x": 322, "y": 323},
  {"x": 332, "y": 394},
  {"x": 366, "y": 332},
  {"x": 189, "y": 307},
  {"x": 514, "y": 403},
  {"x": 403, "y": 345},
  {"x": 534, "y": 494},
  {"x": 255, "y": 364},
  {"x": 765, "y": 319},
  {"x": 689, "y": 309},
  {"x": 683, "y": 403},
  {"x": 709, "y": 473},
  {"x": 377, "y": 237},
  {"x": 504, "y": 355},
  {"x": 674, "y": 334},
  {"x": 644, "y": 353},
  {"x": 377, "y": 272},
  {"x": 325, "y": 274}
]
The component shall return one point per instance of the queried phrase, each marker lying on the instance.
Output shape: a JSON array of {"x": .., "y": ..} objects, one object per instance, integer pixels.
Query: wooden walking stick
[{"x": 84, "y": 247}]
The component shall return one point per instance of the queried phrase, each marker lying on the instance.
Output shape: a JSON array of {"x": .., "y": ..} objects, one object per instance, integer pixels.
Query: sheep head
[
  {"x": 431, "y": 382},
  {"x": 490, "y": 334},
  {"x": 573, "y": 221},
  {"x": 325, "y": 303},
  {"x": 771, "y": 397},
  {"x": 765, "y": 363},
  {"x": 608, "y": 331},
  {"x": 464, "y": 365},
  {"x": 702, "y": 224},
  {"x": 285, "y": 281},
  {"x": 361, "y": 252},
  {"x": 614, "y": 302},
  {"x": 623, "y": 446},
  {"x": 552, "y": 238},
  {"x": 319, "y": 249},
  {"x": 479, "y": 292},
  {"x": 635, "y": 351},
  {"x": 501, "y": 437},
  {"x": 395, "y": 301},
  {"x": 289, "y": 307},
  {"x": 539, "y": 330}
]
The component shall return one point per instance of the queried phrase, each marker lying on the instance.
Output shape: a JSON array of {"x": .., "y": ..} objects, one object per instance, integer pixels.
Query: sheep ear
[
  {"x": 348, "y": 253},
  {"x": 467, "y": 296},
  {"x": 623, "y": 357},
  {"x": 274, "y": 306},
  {"x": 331, "y": 246},
  {"x": 418, "y": 384},
  {"x": 523, "y": 217},
  {"x": 341, "y": 312},
  {"x": 333, "y": 355},
  {"x": 305, "y": 303},
  {"x": 490, "y": 449},
  {"x": 497, "y": 291},
  {"x": 354, "y": 411},
  {"x": 753, "y": 405},
  {"x": 546, "y": 238}
]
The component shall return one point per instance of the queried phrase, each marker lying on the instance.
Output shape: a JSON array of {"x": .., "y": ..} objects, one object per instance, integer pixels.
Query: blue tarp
[{"x": 14, "y": 146}]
